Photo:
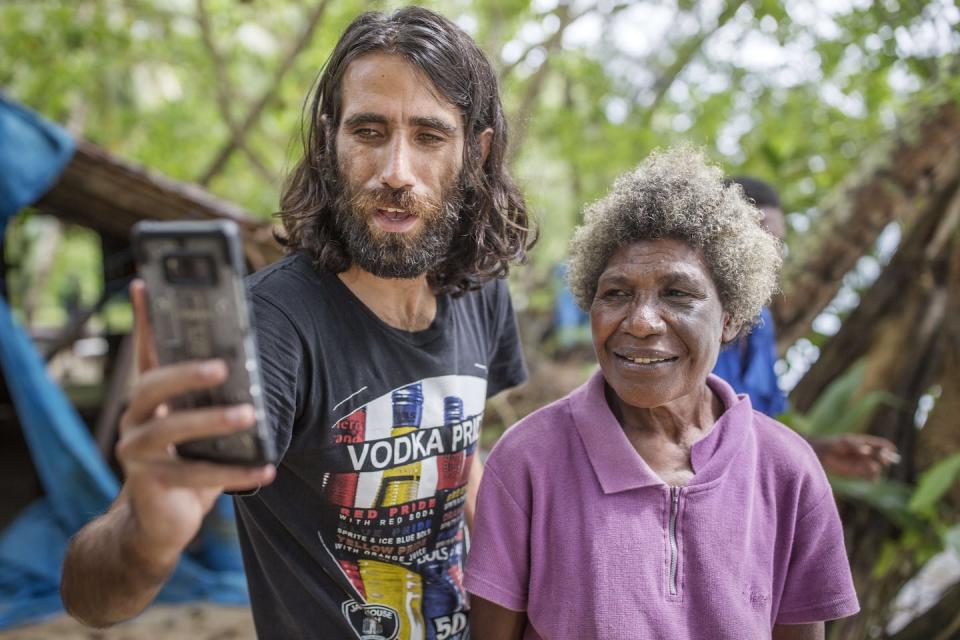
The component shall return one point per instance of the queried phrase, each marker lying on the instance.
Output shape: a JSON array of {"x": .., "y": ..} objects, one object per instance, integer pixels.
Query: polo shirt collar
[{"x": 617, "y": 464}]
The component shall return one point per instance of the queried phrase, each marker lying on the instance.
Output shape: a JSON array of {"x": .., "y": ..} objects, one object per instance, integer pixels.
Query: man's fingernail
[
  {"x": 212, "y": 368},
  {"x": 241, "y": 414}
]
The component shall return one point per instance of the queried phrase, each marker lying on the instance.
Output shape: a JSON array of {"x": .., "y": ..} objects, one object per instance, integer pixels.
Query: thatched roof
[{"x": 107, "y": 194}]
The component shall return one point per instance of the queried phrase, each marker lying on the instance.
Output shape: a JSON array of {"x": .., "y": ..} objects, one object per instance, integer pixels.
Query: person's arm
[
  {"x": 116, "y": 565},
  {"x": 473, "y": 488},
  {"x": 492, "y": 622},
  {"x": 811, "y": 631},
  {"x": 855, "y": 455}
]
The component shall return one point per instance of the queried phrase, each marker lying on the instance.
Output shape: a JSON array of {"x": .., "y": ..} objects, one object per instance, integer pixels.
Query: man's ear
[
  {"x": 730, "y": 328},
  {"x": 486, "y": 138}
]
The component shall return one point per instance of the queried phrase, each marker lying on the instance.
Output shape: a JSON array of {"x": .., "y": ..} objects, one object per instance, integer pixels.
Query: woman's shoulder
[
  {"x": 787, "y": 455},
  {"x": 532, "y": 440}
]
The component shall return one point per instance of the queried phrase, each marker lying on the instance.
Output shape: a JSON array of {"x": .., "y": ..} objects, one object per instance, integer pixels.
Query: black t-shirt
[{"x": 361, "y": 534}]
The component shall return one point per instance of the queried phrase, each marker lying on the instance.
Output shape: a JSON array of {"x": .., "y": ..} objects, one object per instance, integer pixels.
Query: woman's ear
[{"x": 730, "y": 329}]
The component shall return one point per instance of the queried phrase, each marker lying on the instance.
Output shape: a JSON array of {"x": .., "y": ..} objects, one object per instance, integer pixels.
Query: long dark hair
[{"x": 493, "y": 228}]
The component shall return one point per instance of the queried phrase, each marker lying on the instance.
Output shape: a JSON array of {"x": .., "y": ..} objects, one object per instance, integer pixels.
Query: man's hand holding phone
[
  {"x": 193, "y": 427},
  {"x": 169, "y": 495}
]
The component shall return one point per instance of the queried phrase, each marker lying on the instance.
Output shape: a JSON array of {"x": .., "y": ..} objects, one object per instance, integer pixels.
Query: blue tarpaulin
[{"x": 77, "y": 482}]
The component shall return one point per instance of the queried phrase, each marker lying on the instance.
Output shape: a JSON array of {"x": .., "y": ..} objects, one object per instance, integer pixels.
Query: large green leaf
[
  {"x": 839, "y": 409},
  {"x": 934, "y": 483},
  {"x": 889, "y": 497}
]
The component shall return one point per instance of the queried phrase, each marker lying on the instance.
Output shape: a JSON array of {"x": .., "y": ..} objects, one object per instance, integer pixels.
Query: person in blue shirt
[{"x": 748, "y": 365}]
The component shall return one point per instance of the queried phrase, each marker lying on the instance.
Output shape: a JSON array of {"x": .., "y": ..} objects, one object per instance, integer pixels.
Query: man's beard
[{"x": 396, "y": 255}]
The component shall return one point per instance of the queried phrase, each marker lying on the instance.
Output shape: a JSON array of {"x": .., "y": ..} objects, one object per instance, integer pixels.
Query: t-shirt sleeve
[
  {"x": 818, "y": 586},
  {"x": 281, "y": 356},
  {"x": 498, "y": 565},
  {"x": 505, "y": 365}
]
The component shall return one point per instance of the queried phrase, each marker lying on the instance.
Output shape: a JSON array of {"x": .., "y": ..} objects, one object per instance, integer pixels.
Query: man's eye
[
  {"x": 366, "y": 133},
  {"x": 677, "y": 293},
  {"x": 430, "y": 138}
]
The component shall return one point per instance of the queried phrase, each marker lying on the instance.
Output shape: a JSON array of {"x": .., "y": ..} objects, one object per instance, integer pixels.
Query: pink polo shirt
[{"x": 575, "y": 529}]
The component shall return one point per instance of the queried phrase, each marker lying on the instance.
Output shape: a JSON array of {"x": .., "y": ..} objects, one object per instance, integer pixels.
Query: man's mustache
[{"x": 371, "y": 199}]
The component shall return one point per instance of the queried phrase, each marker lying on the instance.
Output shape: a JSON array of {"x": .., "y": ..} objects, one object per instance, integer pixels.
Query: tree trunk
[
  {"x": 940, "y": 435},
  {"x": 924, "y": 157},
  {"x": 920, "y": 261},
  {"x": 907, "y": 326}
]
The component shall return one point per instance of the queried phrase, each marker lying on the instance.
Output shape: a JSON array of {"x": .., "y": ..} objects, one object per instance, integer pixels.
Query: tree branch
[
  {"x": 243, "y": 130},
  {"x": 686, "y": 53},
  {"x": 224, "y": 91},
  {"x": 535, "y": 83}
]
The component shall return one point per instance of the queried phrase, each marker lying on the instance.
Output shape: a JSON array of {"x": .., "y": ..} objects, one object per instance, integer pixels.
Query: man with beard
[{"x": 381, "y": 334}]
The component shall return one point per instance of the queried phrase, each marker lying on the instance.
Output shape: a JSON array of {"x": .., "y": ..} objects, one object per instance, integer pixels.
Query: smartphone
[{"x": 198, "y": 309}]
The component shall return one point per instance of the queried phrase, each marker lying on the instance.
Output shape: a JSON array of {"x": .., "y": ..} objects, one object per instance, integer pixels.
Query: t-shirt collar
[{"x": 617, "y": 464}]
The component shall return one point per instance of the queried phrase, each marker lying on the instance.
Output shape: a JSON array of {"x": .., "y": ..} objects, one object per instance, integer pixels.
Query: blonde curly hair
[{"x": 677, "y": 194}]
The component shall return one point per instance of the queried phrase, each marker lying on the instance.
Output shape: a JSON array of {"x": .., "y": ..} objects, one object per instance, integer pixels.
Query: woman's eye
[{"x": 615, "y": 293}]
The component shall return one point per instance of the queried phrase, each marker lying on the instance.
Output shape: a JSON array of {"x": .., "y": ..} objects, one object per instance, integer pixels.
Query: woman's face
[{"x": 657, "y": 322}]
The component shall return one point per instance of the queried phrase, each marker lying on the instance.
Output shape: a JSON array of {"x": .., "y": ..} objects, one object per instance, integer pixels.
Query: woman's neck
[{"x": 664, "y": 436}]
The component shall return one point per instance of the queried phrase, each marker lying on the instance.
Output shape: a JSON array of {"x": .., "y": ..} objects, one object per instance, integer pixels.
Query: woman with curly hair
[{"x": 653, "y": 502}]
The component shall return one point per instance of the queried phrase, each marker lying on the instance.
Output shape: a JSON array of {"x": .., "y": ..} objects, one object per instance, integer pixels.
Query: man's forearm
[{"x": 108, "y": 574}]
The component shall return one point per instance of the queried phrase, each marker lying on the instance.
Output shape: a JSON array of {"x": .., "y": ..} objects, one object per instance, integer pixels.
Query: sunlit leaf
[{"x": 934, "y": 483}]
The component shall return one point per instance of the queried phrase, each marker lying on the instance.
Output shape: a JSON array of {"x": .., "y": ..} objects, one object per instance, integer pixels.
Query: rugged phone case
[{"x": 198, "y": 308}]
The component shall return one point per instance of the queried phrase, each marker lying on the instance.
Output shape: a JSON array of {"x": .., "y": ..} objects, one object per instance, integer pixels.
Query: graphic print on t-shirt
[{"x": 396, "y": 492}]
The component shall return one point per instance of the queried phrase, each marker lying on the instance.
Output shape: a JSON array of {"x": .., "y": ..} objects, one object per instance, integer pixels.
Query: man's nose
[{"x": 397, "y": 170}]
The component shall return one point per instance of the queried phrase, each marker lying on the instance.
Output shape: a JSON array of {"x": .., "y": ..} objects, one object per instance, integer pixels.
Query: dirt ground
[{"x": 160, "y": 622}]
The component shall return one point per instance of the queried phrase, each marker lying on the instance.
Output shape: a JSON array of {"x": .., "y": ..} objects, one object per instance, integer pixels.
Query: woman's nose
[{"x": 644, "y": 318}]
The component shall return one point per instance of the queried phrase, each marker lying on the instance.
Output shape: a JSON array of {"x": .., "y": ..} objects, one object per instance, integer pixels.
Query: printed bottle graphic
[
  {"x": 442, "y": 590},
  {"x": 450, "y": 465},
  {"x": 400, "y": 484},
  {"x": 389, "y": 584}
]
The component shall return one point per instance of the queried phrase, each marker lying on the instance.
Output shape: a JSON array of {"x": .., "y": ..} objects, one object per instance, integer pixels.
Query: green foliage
[
  {"x": 840, "y": 409},
  {"x": 933, "y": 484},
  {"x": 917, "y": 511},
  {"x": 889, "y": 497},
  {"x": 138, "y": 77},
  {"x": 925, "y": 528}
]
